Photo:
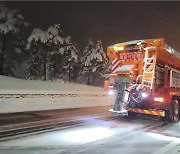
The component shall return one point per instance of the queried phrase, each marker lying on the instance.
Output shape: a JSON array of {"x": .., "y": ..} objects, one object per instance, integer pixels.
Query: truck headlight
[
  {"x": 111, "y": 92},
  {"x": 144, "y": 95}
]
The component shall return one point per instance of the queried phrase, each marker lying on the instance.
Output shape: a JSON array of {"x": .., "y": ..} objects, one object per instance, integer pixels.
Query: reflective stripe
[
  {"x": 114, "y": 61},
  {"x": 115, "y": 65},
  {"x": 151, "y": 112},
  {"x": 154, "y": 113}
]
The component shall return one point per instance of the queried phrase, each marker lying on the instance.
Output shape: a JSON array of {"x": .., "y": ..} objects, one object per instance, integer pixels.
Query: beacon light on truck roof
[
  {"x": 118, "y": 48},
  {"x": 156, "y": 43}
]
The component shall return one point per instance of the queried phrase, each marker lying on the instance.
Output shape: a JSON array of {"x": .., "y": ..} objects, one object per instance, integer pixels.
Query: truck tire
[
  {"x": 131, "y": 115},
  {"x": 173, "y": 115}
]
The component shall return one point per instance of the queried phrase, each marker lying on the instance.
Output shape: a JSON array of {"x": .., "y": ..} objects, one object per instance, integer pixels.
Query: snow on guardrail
[
  {"x": 21, "y": 101},
  {"x": 18, "y": 95}
]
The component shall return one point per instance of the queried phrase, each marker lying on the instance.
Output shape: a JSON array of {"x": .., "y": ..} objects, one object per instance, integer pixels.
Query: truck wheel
[
  {"x": 174, "y": 114},
  {"x": 131, "y": 115}
]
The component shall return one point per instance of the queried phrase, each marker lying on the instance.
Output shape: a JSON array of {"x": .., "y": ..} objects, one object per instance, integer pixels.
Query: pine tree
[
  {"x": 11, "y": 23},
  {"x": 55, "y": 60},
  {"x": 46, "y": 42},
  {"x": 94, "y": 61},
  {"x": 36, "y": 49},
  {"x": 70, "y": 59},
  {"x": 87, "y": 60},
  {"x": 9, "y": 65},
  {"x": 34, "y": 67},
  {"x": 102, "y": 62}
]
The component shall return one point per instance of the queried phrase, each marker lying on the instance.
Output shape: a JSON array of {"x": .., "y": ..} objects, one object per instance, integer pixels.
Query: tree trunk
[
  {"x": 7, "y": 69},
  {"x": 2, "y": 54},
  {"x": 45, "y": 56},
  {"x": 54, "y": 72},
  {"x": 69, "y": 72},
  {"x": 54, "y": 75},
  {"x": 88, "y": 78},
  {"x": 93, "y": 78},
  {"x": 74, "y": 74}
]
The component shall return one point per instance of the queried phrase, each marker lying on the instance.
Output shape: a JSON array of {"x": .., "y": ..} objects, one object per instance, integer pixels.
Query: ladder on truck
[{"x": 149, "y": 68}]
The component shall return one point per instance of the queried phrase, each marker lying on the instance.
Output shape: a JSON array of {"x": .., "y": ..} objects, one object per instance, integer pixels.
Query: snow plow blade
[{"x": 160, "y": 113}]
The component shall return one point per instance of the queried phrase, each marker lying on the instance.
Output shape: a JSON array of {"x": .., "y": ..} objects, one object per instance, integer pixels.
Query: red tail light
[{"x": 158, "y": 99}]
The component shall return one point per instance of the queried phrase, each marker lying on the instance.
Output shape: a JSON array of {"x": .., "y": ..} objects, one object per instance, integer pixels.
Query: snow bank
[
  {"x": 18, "y": 95},
  {"x": 9, "y": 83},
  {"x": 11, "y": 105}
]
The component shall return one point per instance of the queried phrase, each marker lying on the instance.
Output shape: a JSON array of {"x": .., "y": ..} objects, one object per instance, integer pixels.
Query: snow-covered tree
[
  {"x": 86, "y": 60},
  {"x": 94, "y": 61},
  {"x": 9, "y": 66},
  {"x": 70, "y": 59},
  {"x": 47, "y": 43},
  {"x": 101, "y": 66},
  {"x": 11, "y": 22},
  {"x": 35, "y": 48},
  {"x": 55, "y": 62},
  {"x": 34, "y": 67}
]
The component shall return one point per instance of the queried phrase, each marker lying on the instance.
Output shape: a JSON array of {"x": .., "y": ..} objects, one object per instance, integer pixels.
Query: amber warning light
[{"x": 118, "y": 48}]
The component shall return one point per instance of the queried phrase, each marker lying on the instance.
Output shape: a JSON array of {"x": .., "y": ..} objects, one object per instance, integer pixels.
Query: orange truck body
[{"x": 128, "y": 58}]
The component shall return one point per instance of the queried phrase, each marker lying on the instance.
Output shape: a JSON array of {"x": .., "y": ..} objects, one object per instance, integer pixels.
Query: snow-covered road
[
  {"x": 97, "y": 134},
  {"x": 142, "y": 135}
]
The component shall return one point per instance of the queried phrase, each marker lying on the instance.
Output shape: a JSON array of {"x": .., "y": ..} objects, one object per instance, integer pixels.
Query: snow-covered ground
[
  {"x": 10, "y": 83},
  {"x": 31, "y": 95}
]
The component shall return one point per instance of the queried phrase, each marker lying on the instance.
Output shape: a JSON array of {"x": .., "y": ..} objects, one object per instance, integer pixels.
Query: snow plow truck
[{"x": 145, "y": 78}]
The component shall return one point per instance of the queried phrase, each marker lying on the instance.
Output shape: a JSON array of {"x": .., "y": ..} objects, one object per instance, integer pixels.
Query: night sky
[{"x": 112, "y": 22}]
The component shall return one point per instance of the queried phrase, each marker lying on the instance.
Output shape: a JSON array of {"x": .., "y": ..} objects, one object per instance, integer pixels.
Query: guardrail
[{"x": 28, "y": 100}]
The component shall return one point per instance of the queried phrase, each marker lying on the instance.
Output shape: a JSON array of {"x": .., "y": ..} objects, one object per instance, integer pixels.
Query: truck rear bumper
[{"x": 160, "y": 113}]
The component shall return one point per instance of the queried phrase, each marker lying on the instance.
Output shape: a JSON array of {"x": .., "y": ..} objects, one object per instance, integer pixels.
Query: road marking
[{"x": 167, "y": 148}]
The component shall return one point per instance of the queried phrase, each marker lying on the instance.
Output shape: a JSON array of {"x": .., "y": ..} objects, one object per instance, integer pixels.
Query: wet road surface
[{"x": 98, "y": 132}]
